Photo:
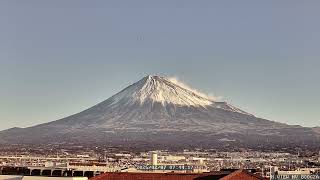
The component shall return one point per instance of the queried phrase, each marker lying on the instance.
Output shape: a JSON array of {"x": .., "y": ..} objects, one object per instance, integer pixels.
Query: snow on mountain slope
[
  {"x": 160, "y": 89},
  {"x": 163, "y": 90},
  {"x": 158, "y": 107},
  {"x": 157, "y": 104}
]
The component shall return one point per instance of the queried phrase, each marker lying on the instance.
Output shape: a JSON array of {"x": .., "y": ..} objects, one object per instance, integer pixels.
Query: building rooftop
[{"x": 223, "y": 175}]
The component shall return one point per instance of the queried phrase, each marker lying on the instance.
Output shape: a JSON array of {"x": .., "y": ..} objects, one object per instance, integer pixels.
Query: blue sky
[{"x": 60, "y": 57}]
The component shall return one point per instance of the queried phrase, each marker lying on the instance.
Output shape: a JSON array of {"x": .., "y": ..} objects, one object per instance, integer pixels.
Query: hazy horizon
[{"x": 58, "y": 58}]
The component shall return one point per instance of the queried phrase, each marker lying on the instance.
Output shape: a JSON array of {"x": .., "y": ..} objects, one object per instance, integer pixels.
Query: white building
[
  {"x": 154, "y": 158},
  {"x": 174, "y": 158}
]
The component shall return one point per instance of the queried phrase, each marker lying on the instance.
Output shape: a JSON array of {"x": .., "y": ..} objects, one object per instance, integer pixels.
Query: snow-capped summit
[
  {"x": 160, "y": 89},
  {"x": 159, "y": 111},
  {"x": 157, "y": 89}
]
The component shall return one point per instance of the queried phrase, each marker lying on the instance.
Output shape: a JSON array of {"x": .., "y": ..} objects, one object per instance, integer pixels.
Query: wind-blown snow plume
[
  {"x": 178, "y": 82},
  {"x": 161, "y": 89},
  {"x": 168, "y": 113}
]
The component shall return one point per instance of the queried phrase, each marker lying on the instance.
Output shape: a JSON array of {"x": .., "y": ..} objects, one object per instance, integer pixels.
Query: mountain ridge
[{"x": 156, "y": 110}]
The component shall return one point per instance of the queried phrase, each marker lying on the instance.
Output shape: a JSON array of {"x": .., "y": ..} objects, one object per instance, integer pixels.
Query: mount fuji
[{"x": 156, "y": 111}]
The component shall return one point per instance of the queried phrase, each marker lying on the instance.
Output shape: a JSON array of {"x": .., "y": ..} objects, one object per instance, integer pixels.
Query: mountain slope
[{"x": 155, "y": 110}]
